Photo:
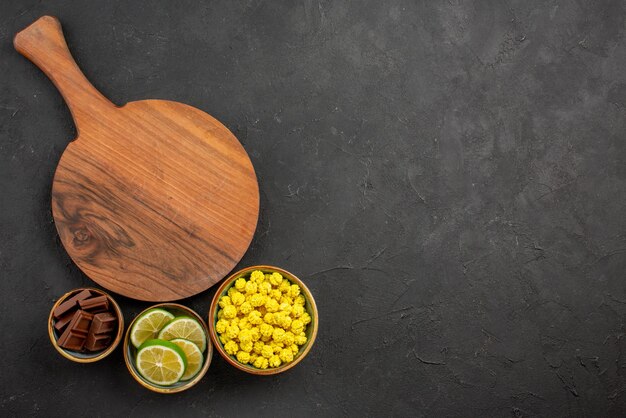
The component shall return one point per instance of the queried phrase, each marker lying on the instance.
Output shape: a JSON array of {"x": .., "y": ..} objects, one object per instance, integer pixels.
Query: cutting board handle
[{"x": 43, "y": 43}]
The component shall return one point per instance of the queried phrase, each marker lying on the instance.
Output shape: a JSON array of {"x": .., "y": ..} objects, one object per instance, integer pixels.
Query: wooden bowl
[
  {"x": 86, "y": 357},
  {"x": 310, "y": 307},
  {"x": 130, "y": 351}
]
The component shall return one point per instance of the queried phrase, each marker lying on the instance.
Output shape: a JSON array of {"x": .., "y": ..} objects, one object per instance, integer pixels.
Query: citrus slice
[
  {"x": 148, "y": 325},
  {"x": 194, "y": 357},
  {"x": 161, "y": 362},
  {"x": 186, "y": 328}
]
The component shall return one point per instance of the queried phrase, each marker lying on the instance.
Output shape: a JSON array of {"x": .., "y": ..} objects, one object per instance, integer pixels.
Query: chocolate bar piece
[
  {"x": 60, "y": 323},
  {"x": 99, "y": 336},
  {"x": 103, "y": 323},
  {"x": 96, "y": 304},
  {"x": 97, "y": 342},
  {"x": 74, "y": 336},
  {"x": 70, "y": 303}
]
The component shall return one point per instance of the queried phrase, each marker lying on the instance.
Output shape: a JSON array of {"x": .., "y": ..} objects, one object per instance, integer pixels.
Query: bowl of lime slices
[{"x": 166, "y": 348}]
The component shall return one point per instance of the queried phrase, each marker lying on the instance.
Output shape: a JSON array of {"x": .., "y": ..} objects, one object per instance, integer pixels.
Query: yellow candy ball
[
  {"x": 224, "y": 301},
  {"x": 275, "y": 294},
  {"x": 257, "y": 276},
  {"x": 230, "y": 311},
  {"x": 278, "y": 335},
  {"x": 251, "y": 288},
  {"x": 274, "y": 361},
  {"x": 288, "y": 339},
  {"x": 237, "y": 298},
  {"x": 267, "y": 351},
  {"x": 247, "y": 347},
  {"x": 271, "y": 305},
  {"x": 266, "y": 330},
  {"x": 245, "y": 336},
  {"x": 297, "y": 326},
  {"x": 240, "y": 284},
  {"x": 261, "y": 363},
  {"x": 269, "y": 318},
  {"x": 284, "y": 286},
  {"x": 286, "y": 355},
  {"x": 220, "y": 326},
  {"x": 232, "y": 331},
  {"x": 300, "y": 339},
  {"x": 265, "y": 288},
  {"x": 258, "y": 347},
  {"x": 243, "y": 357},
  {"x": 254, "y": 317},
  {"x": 276, "y": 279},
  {"x": 257, "y": 299},
  {"x": 297, "y": 311},
  {"x": 245, "y": 308},
  {"x": 294, "y": 290},
  {"x": 231, "y": 347}
]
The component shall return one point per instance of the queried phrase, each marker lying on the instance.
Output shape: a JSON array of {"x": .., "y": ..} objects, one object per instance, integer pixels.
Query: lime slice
[
  {"x": 193, "y": 355},
  {"x": 148, "y": 325},
  {"x": 161, "y": 362},
  {"x": 186, "y": 328}
]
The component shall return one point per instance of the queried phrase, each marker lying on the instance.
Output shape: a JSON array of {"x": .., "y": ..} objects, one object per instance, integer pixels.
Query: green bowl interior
[
  {"x": 307, "y": 307},
  {"x": 81, "y": 354},
  {"x": 132, "y": 351}
]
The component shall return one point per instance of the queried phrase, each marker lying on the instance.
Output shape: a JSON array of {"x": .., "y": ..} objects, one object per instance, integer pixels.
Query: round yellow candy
[
  {"x": 231, "y": 347},
  {"x": 267, "y": 351},
  {"x": 240, "y": 284},
  {"x": 286, "y": 355},
  {"x": 278, "y": 335},
  {"x": 247, "y": 347},
  {"x": 274, "y": 361},
  {"x": 276, "y": 279},
  {"x": 297, "y": 326},
  {"x": 230, "y": 311},
  {"x": 224, "y": 301},
  {"x": 261, "y": 363},
  {"x": 220, "y": 326},
  {"x": 243, "y": 357}
]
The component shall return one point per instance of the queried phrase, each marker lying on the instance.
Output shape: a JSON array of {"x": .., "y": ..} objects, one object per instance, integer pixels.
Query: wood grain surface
[{"x": 155, "y": 200}]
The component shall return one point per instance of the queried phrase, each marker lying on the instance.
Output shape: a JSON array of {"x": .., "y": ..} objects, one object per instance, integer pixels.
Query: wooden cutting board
[{"x": 155, "y": 200}]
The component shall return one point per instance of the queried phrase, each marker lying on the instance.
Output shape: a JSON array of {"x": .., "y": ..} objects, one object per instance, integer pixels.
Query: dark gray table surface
[{"x": 448, "y": 177}]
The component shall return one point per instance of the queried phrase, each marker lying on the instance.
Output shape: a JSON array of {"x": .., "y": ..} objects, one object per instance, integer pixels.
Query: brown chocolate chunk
[
  {"x": 60, "y": 323},
  {"x": 99, "y": 336},
  {"x": 97, "y": 342},
  {"x": 74, "y": 336},
  {"x": 70, "y": 303},
  {"x": 103, "y": 323},
  {"x": 95, "y": 304},
  {"x": 71, "y": 340}
]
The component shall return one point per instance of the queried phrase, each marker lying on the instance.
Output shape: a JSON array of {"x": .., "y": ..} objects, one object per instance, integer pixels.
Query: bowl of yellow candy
[{"x": 263, "y": 320}]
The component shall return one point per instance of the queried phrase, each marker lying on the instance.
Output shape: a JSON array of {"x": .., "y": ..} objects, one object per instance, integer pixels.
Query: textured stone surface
[{"x": 449, "y": 178}]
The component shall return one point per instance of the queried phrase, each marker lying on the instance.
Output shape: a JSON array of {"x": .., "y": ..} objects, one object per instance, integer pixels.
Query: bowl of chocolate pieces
[{"x": 85, "y": 325}]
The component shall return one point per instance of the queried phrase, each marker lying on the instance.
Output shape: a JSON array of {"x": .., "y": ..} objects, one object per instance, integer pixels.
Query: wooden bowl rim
[
  {"x": 249, "y": 369},
  {"x": 67, "y": 353},
  {"x": 186, "y": 385}
]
